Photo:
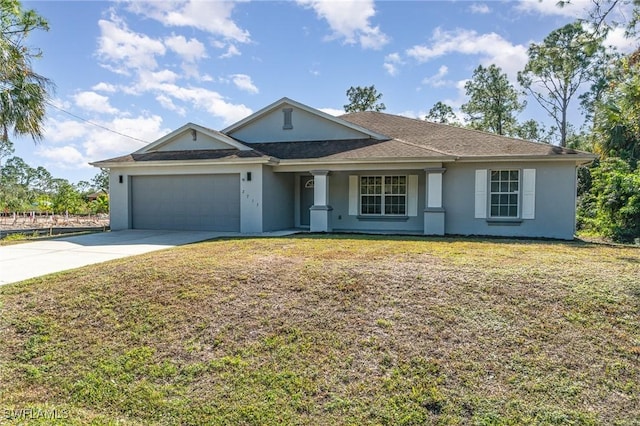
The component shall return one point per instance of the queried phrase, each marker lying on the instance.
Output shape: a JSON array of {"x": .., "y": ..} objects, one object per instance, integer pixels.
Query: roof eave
[
  {"x": 200, "y": 162},
  {"x": 373, "y": 160},
  {"x": 577, "y": 158}
]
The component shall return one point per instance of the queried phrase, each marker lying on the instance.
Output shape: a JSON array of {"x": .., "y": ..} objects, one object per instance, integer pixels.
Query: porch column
[
  {"x": 320, "y": 217},
  {"x": 434, "y": 211}
]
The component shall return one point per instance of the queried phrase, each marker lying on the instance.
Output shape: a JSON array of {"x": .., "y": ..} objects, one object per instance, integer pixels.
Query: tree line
[
  {"x": 570, "y": 65},
  {"x": 569, "y": 59},
  {"x": 27, "y": 189}
]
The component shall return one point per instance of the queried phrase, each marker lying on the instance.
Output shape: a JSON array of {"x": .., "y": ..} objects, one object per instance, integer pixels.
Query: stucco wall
[
  {"x": 118, "y": 200},
  {"x": 306, "y": 127},
  {"x": 184, "y": 141},
  {"x": 277, "y": 200},
  {"x": 269, "y": 200},
  {"x": 554, "y": 201}
]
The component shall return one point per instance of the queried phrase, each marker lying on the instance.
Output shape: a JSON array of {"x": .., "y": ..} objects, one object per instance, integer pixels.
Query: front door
[{"x": 306, "y": 199}]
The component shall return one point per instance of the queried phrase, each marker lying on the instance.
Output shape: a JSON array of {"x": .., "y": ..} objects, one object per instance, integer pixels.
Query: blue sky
[{"x": 144, "y": 68}]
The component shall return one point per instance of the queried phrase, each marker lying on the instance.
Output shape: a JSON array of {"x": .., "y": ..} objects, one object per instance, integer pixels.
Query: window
[
  {"x": 383, "y": 195},
  {"x": 505, "y": 190},
  {"x": 505, "y": 195},
  {"x": 288, "y": 123}
]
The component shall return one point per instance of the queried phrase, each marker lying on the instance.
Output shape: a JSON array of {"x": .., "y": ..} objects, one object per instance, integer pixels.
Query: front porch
[{"x": 389, "y": 201}]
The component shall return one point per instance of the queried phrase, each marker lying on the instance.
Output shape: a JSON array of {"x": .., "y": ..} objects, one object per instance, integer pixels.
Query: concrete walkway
[{"x": 28, "y": 260}]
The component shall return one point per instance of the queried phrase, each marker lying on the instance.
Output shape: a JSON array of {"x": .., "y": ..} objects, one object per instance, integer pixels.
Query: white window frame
[
  {"x": 383, "y": 195},
  {"x": 509, "y": 192}
]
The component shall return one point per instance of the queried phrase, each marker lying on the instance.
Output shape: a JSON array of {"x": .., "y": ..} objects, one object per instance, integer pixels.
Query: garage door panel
[{"x": 187, "y": 202}]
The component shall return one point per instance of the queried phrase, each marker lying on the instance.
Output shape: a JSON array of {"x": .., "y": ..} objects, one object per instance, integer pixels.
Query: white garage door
[{"x": 186, "y": 202}]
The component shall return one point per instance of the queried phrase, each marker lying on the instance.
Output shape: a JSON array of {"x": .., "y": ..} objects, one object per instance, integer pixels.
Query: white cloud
[
  {"x": 62, "y": 103},
  {"x": 231, "y": 52},
  {"x": 64, "y": 157},
  {"x": 373, "y": 38},
  {"x": 616, "y": 39},
  {"x": 126, "y": 49},
  {"x": 492, "y": 48},
  {"x": 100, "y": 144},
  {"x": 208, "y": 100},
  {"x": 134, "y": 54},
  {"x": 391, "y": 69},
  {"x": 617, "y": 17},
  {"x": 150, "y": 81},
  {"x": 575, "y": 9},
  {"x": 480, "y": 8},
  {"x": 213, "y": 17},
  {"x": 192, "y": 71},
  {"x": 104, "y": 87},
  {"x": 243, "y": 82},
  {"x": 436, "y": 80},
  {"x": 190, "y": 50},
  {"x": 78, "y": 143},
  {"x": 163, "y": 76},
  {"x": 167, "y": 103},
  {"x": 391, "y": 63},
  {"x": 393, "y": 57},
  {"x": 94, "y": 102},
  {"x": 349, "y": 20},
  {"x": 64, "y": 131}
]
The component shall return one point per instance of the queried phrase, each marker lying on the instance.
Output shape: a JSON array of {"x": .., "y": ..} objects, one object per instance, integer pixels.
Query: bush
[{"x": 611, "y": 207}]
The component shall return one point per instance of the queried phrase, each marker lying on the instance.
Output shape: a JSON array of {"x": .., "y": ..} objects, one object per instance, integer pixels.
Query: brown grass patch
[{"x": 335, "y": 329}]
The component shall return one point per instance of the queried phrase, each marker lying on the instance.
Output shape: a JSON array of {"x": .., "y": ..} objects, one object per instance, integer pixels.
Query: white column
[
  {"x": 434, "y": 190},
  {"x": 434, "y": 213},
  {"x": 320, "y": 216},
  {"x": 320, "y": 187}
]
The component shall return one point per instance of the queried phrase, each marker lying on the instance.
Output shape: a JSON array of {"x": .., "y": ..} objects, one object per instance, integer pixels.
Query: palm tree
[{"x": 23, "y": 93}]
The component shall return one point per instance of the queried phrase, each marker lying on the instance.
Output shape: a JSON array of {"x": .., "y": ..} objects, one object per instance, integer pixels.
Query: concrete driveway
[{"x": 28, "y": 260}]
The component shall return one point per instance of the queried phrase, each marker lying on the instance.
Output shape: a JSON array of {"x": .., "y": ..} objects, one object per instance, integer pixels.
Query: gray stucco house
[{"x": 292, "y": 166}]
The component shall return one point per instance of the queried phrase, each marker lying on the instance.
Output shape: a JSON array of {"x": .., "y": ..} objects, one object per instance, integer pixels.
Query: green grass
[
  {"x": 12, "y": 238},
  {"x": 330, "y": 330},
  {"x": 21, "y": 238}
]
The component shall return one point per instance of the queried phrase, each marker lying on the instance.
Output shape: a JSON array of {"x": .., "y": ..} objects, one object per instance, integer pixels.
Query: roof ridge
[
  {"x": 402, "y": 140},
  {"x": 468, "y": 129},
  {"x": 424, "y": 147}
]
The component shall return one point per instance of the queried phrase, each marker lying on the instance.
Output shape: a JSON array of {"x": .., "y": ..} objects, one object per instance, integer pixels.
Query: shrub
[{"x": 611, "y": 207}]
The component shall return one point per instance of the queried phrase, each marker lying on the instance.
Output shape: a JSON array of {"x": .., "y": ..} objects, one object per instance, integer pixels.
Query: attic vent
[
  {"x": 288, "y": 124},
  {"x": 194, "y": 134}
]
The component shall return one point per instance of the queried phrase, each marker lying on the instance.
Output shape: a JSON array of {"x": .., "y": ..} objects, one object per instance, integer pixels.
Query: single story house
[{"x": 292, "y": 166}]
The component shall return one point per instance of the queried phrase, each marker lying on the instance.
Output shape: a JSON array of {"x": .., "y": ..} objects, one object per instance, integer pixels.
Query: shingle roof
[
  {"x": 202, "y": 154},
  {"x": 451, "y": 140},
  {"x": 344, "y": 149},
  {"x": 408, "y": 138}
]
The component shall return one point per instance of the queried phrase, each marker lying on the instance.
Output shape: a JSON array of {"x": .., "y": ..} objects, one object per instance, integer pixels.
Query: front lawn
[{"x": 330, "y": 330}]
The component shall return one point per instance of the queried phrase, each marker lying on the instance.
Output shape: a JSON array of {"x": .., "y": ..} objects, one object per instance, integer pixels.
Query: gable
[
  {"x": 289, "y": 121},
  {"x": 192, "y": 137},
  {"x": 188, "y": 141}
]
